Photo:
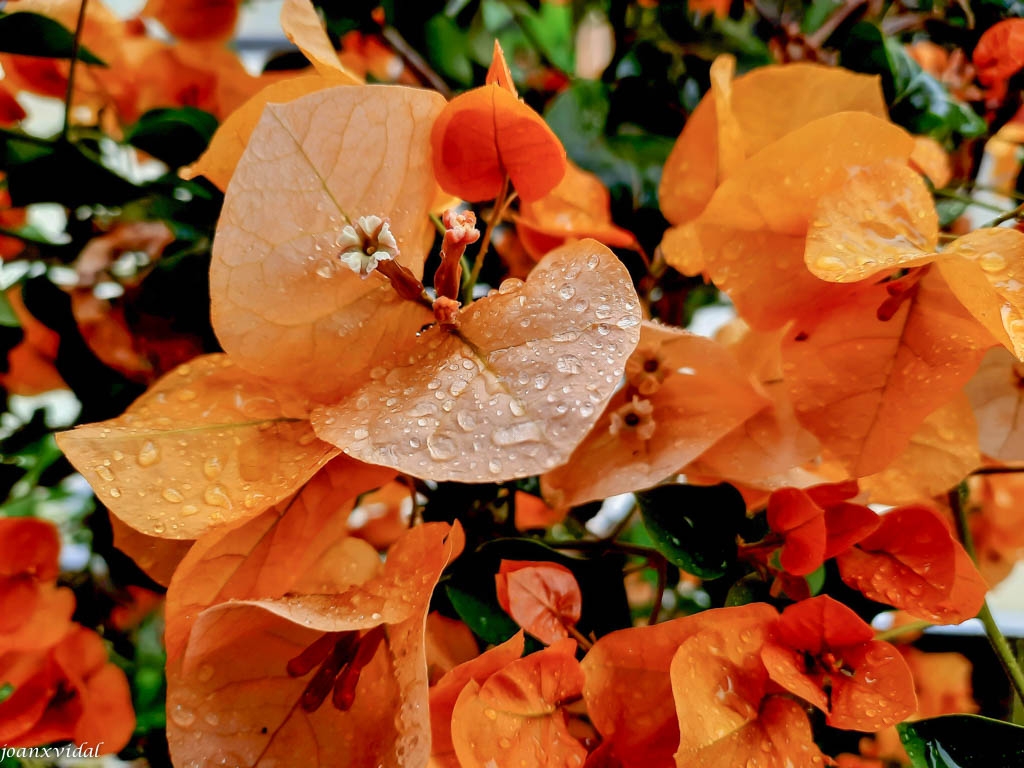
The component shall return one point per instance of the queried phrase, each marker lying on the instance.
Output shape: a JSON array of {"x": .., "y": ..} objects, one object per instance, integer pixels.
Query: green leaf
[
  {"x": 694, "y": 526},
  {"x": 949, "y": 210},
  {"x": 32, "y": 166},
  {"x": 483, "y": 616},
  {"x": 818, "y": 13},
  {"x": 176, "y": 136},
  {"x": 7, "y": 317},
  {"x": 31, "y": 34},
  {"x": 629, "y": 163},
  {"x": 917, "y": 101},
  {"x": 6, "y": 690},
  {"x": 962, "y": 741},
  {"x": 446, "y": 48},
  {"x": 816, "y": 580}
]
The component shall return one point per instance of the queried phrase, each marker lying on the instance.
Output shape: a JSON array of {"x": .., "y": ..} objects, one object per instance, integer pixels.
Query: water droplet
[
  {"x": 215, "y": 496},
  {"x": 182, "y": 715},
  {"x": 361, "y": 433},
  {"x": 188, "y": 510},
  {"x": 212, "y": 467},
  {"x": 205, "y": 673},
  {"x": 593, "y": 261},
  {"x": 148, "y": 455},
  {"x": 104, "y": 473},
  {"x": 567, "y": 291},
  {"x": 115, "y": 493},
  {"x": 186, "y": 395},
  {"x": 991, "y": 262},
  {"x": 173, "y": 495},
  {"x": 511, "y": 285},
  {"x": 118, "y": 456},
  {"x": 441, "y": 448},
  {"x": 465, "y": 420},
  {"x": 490, "y": 714},
  {"x": 569, "y": 364},
  {"x": 541, "y": 381}
]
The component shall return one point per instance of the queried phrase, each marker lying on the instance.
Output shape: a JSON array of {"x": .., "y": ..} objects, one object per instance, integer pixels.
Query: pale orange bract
[
  {"x": 264, "y": 651},
  {"x": 696, "y": 393}
]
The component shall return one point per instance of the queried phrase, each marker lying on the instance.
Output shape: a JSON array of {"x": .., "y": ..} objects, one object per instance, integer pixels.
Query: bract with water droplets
[
  {"x": 245, "y": 683},
  {"x": 696, "y": 393},
  {"x": 720, "y": 688},
  {"x": 985, "y": 270},
  {"x": 512, "y": 390},
  {"x": 542, "y": 598},
  {"x": 997, "y": 395},
  {"x": 827, "y": 655},
  {"x": 445, "y": 693},
  {"x": 207, "y": 445},
  {"x": 515, "y": 717},
  {"x": 927, "y": 574},
  {"x": 942, "y": 451},
  {"x": 765, "y": 104},
  {"x": 863, "y": 385},
  {"x": 752, "y": 232},
  {"x": 283, "y": 305},
  {"x": 275, "y": 552},
  {"x": 881, "y": 220}
]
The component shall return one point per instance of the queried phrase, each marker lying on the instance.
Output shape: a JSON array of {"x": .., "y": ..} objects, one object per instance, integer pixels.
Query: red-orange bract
[
  {"x": 926, "y": 573},
  {"x": 515, "y": 716},
  {"x": 826, "y": 654},
  {"x": 487, "y": 135},
  {"x": 64, "y": 687},
  {"x": 543, "y": 598}
]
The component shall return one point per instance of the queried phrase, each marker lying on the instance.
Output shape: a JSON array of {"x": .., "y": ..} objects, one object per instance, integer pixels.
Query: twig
[
  {"x": 998, "y": 471},
  {"x": 661, "y": 565},
  {"x": 579, "y": 637},
  {"x": 414, "y": 61},
  {"x": 501, "y": 204},
  {"x": 995, "y": 637},
  {"x": 1016, "y": 213},
  {"x": 76, "y": 46},
  {"x": 905, "y": 629}
]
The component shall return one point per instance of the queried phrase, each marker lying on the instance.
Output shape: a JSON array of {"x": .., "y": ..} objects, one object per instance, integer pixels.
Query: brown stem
[
  {"x": 76, "y": 47},
  {"x": 414, "y": 61}
]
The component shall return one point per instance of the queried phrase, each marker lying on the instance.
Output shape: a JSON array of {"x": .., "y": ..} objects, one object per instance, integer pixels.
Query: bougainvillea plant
[{"x": 507, "y": 384}]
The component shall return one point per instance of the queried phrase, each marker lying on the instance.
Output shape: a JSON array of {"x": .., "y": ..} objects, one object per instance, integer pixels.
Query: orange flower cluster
[
  {"x": 57, "y": 682},
  {"x": 262, "y": 484}
]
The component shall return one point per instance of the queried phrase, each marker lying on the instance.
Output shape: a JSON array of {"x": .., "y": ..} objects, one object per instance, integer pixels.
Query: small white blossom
[{"x": 367, "y": 243}]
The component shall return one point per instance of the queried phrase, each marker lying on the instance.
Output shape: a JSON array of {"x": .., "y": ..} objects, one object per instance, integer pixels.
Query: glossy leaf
[
  {"x": 176, "y": 136},
  {"x": 694, "y": 526},
  {"x": 960, "y": 741},
  {"x": 34, "y": 34}
]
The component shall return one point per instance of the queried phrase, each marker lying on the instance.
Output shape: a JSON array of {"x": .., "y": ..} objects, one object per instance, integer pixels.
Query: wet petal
[
  {"x": 208, "y": 444},
  {"x": 283, "y": 305},
  {"x": 512, "y": 390}
]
